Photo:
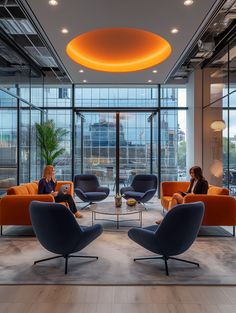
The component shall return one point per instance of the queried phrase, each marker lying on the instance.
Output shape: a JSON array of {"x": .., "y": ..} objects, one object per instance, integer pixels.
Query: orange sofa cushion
[{"x": 18, "y": 190}]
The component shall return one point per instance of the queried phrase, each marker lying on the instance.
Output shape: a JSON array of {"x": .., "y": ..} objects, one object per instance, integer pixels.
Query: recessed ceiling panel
[{"x": 155, "y": 16}]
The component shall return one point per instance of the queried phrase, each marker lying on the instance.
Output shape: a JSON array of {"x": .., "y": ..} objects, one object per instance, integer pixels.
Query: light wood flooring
[{"x": 117, "y": 299}]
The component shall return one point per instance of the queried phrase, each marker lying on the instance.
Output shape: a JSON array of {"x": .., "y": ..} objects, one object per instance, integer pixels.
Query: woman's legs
[
  {"x": 176, "y": 199},
  {"x": 68, "y": 198}
]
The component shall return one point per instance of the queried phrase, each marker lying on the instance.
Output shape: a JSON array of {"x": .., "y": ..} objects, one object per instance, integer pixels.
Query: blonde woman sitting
[{"x": 47, "y": 185}]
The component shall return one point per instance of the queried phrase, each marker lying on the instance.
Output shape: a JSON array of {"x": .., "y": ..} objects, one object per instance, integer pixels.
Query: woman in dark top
[
  {"x": 47, "y": 185},
  {"x": 198, "y": 185}
]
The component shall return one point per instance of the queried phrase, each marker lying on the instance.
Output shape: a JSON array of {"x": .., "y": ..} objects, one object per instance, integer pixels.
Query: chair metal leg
[
  {"x": 47, "y": 259},
  {"x": 143, "y": 205},
  {"x": 165, "y": 258},
  {"x": 185, "y": 261},
  {"x": 83, "y": 256},
  {"x": 166, "y": 266},
  {"x": 66, "y": 263},
  {"x": 234, "y": 231},
  {"x": 66, "y": 259},
  {"x": 149, "y": 258}
]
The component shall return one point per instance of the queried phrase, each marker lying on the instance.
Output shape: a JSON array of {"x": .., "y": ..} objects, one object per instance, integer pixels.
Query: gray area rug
[{"x": 216, "y": 255}]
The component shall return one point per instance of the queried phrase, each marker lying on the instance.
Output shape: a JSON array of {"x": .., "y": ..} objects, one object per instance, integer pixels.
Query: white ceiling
[{"x": 157, "y": 16}]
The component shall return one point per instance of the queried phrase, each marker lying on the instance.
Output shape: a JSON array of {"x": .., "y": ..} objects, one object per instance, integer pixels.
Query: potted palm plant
[{"x": 49, "y": 138}]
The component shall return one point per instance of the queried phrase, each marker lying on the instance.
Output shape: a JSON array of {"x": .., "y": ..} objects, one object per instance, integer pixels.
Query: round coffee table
[{"x": 108, "y": 208}]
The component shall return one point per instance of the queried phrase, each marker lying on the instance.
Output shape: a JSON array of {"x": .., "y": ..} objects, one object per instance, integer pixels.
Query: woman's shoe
[{"x": 78, "y": 214}]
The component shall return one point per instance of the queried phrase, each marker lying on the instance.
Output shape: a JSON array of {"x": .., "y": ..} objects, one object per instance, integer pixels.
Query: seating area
[{"x": 24, "y": 206}]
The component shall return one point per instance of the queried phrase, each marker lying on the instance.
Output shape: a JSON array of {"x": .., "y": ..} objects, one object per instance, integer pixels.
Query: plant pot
[{"x": 118, "y": 202}]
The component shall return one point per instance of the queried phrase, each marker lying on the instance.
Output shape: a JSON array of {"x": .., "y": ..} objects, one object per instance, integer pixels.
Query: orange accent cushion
[
  {"x": 31, "y": 189},
  {"x": 217, "y": 191}
]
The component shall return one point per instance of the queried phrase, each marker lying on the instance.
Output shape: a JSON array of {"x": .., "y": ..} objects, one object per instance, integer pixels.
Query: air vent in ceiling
[{"x": 16, "y": 27}]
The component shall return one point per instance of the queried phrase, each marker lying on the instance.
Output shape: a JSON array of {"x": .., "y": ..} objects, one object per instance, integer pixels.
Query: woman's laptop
[{"x": 64, "y": 189}]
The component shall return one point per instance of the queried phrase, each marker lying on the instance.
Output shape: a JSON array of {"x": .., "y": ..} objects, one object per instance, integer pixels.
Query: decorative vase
[{"x": 118, "y": 201}]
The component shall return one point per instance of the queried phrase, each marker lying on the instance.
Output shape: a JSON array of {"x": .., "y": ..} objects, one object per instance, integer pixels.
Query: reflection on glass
[
  {"x": 135, "y": 141},
  {"x": 57, "y": 96},
  {"x": 232, "y": 66},
  {"x": 62, "y": 119},
  {"x": 217, "y": 76},
  {"x": 115, "y": 97},
  {"x": 232, "y": 151},
  {"x": 24, "y": 145},
  {"x": 35, "y": 159},
  {"x": 214, "y": 147},
  {"x": 173, "y": 145},
  {"x": 8, "y": 148},
  {"x": 99, "y": 146}
]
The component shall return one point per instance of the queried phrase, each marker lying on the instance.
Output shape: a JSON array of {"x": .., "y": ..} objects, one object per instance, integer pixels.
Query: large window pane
[
  {"x": 57, "y": 96},
  {"x": 8, "y": 148},
  {"x": 172, "y": 96}
]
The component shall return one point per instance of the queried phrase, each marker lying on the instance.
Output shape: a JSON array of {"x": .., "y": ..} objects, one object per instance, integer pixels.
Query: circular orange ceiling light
[{"x": 118, "y": 49}]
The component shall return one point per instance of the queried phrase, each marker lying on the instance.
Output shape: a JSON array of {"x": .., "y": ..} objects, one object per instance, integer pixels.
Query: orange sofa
[
  {"x": 14, "y": 207},
  {"x": 220, "y": 207}
]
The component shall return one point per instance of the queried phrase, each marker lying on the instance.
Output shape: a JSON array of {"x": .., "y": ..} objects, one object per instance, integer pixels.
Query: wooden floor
[{"x": 117, "y": 299}]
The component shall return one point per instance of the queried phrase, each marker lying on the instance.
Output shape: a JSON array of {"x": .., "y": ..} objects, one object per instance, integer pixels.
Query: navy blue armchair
[
  {"x": 58, "y": 231},
  {"x": 142, "y": 189},
  {"x": 174, "y": 235},
  {"x": 87, "y": 188}
]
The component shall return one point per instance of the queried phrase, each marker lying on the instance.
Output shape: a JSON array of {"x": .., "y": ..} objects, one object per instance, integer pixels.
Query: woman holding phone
[{"x": 47, "y": 185}]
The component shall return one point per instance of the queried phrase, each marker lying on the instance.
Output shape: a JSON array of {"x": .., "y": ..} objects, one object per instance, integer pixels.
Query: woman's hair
[
  {"x": 48, "y": 173},
  {"x": 197, "y": 172}
]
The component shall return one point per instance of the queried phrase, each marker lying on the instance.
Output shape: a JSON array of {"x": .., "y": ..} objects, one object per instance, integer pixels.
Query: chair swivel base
[
  {"x": 166, "y": 259},
  {"x": 66, "y": 257}
]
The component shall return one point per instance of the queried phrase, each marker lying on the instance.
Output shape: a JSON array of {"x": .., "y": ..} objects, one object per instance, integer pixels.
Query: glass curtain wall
[
  {"x": 163, "y": 124},
  {"x": 219, "y": 140}
]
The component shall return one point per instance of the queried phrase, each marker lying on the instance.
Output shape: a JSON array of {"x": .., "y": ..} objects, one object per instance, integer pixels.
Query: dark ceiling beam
[
  {"x": 13, "y": 45},
  {"x": 221, "y": 42}
]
